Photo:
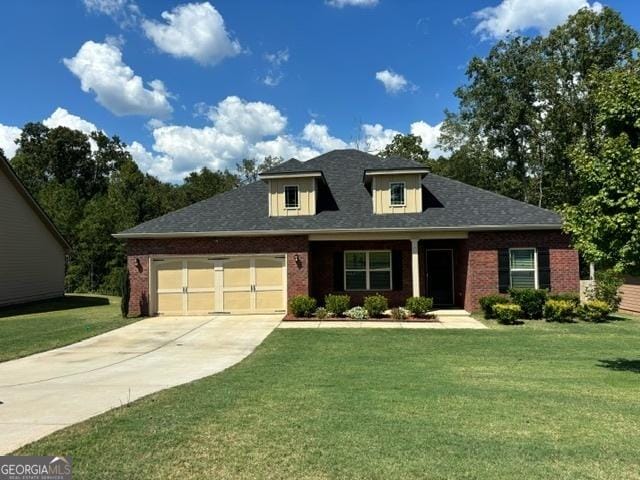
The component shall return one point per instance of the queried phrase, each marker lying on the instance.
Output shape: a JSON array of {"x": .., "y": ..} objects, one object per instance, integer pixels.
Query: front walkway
[
  {"x": 51, "y": 390},
  {"x": 443, "y": 319}
]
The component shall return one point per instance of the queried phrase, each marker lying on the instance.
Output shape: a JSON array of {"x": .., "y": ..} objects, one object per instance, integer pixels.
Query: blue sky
[{"x": 187, "y": 85}]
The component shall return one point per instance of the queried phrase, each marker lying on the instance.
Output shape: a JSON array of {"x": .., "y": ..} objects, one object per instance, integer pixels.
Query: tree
[
  {"x": 605, "y": 224},
  {"x": 249, "y": 169},
  {"x": 406, "y": 146},
  {"x": 205, "y": 183}
]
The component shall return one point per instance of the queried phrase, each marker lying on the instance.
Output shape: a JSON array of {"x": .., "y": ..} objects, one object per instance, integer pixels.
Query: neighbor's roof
[
  {"x": 346, "y": 206},
  {"x": 5, "y": 166}
]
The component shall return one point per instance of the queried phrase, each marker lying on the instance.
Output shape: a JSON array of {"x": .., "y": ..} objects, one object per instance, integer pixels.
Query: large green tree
[
  {"x": 605, "y": 224},
  {"x": 406, "y": 146}
]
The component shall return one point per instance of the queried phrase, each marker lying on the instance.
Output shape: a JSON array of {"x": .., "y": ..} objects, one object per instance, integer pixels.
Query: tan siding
[
  {"x": 307, "y": 192},
  {"x": 382, "y": 195},
  {"x": 31, "y": 259},
  {"x": 630, "y": 293}
]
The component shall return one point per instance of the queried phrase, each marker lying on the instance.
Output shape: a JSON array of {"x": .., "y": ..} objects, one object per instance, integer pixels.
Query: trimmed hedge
[
  {"x": 376, "y": 305},
  {"x": 531, "y": 301},
  {"x": 337, "y": 304},
  {"x": 507, "y": 313},
  {"x": 488, "y": 302},
  {"x": 559, "y": 311},
  {"x": 594, "y": 311},
  {"x": 419, "y": 306},
  {"x": 303, "y": 305}
]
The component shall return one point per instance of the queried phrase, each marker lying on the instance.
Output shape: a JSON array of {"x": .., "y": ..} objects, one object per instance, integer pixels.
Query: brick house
[{"x": 350, "y": 222}]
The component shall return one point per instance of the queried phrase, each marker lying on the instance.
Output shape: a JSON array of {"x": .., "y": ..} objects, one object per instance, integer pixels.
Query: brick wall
[
  {"x": 482, "y": 261},
  {"x": 322, "y": 269},
  {"x": 139, "y": 251}
]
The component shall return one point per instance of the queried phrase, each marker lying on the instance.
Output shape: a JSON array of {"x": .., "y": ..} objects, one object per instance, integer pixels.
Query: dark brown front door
[{"x": 440, "y": 276}]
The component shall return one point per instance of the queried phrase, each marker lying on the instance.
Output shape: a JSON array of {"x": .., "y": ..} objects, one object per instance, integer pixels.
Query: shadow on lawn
[
  {"x": 67, "y": 302},
  {"x": 621, "y": 365}
]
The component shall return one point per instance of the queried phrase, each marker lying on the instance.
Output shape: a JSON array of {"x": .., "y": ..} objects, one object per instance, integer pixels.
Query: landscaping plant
[
  {"x": 594, "y": 311},
  {"x": 303, "y": 305},
  {"x": 531, "y": 301},
  {"x": 321, "y": 313},
  {"x": 337, "y": 304},
  {"x": 357, "y": 313},
  {"x": 606, "y": 288},
  {"x": 559, "y": 311},
  {"x": 488, "y": 302},
  {"x": 507, "y": 313},
  {"x": 398, "y": 313},
  {"x": 376, "y": 305},
  {"x": 419, "y": 306},
  {"x": 573, "y": 298}
]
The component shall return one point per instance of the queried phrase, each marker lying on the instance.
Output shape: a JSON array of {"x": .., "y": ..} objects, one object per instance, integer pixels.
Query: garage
[{"x": 218, "y": 285}]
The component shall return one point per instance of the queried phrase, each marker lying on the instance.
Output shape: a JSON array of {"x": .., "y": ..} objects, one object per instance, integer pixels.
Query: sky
[{"x": 187, "y": 85}]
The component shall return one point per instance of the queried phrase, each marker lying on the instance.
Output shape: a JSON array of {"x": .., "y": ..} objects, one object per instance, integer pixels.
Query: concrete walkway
[{"x": 51, "y": 390}]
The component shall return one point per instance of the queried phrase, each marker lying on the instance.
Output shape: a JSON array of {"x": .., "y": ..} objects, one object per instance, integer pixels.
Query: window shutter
[
  {"x": 338, "y": 271},
  {"x": 503, "y": 270},
  {"x": 544, "y": 270},
  {"x": 396, "y": 269}
]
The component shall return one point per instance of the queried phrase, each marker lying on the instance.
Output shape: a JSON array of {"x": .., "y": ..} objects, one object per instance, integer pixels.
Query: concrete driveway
[{"x": 51, "y": 390}]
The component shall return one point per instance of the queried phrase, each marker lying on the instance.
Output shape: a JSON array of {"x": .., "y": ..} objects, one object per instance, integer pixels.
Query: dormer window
[
  {"x": 291, "y": 196},
  {"x": 397, "y": 194}
]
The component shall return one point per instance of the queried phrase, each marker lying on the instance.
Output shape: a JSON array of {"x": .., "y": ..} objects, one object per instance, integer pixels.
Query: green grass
[
  {"x": 40, "y": 326},
  {"x": 536, "y": 401}
]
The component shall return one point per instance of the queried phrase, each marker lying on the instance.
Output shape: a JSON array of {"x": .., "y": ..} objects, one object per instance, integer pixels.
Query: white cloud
[
  {"x": 375, "y": 137},
  {"x": 251, "y": 119},
  {"x": 62, "y": 118},
  {"x": 284, "y": 146},
  {"x": 125, "y": 12},
  {"x": 352, "y": 3},
  {"x": 429, "y": 135},
  {"x": 100, "y": 68},
  {"x": 393, "y": 82},
  {"x": 160, "y": 166},
  {"x": 275, "y": 60},
  {"x": 193, "y": 30},
  {"x": 318, "y": 136},
  {"x": 8, "y": 136},
  {"x": 519, "y": 15}
]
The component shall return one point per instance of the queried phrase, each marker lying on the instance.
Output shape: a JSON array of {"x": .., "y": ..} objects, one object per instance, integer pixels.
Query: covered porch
[{"x": 396, "y": 266}]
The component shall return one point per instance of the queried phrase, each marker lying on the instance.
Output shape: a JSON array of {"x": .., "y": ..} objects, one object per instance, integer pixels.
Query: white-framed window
[
  {"x": 397, "y": 194},
  {"x": 523, "y": 267},
  {"x": 367, "y": 270},
  {"x": 291, "y": 196}
]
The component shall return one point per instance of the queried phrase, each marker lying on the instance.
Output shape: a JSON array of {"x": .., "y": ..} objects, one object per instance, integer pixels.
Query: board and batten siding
[
  {"x": 32, "y": 260},
  {"x": 382, "y": 194},
  {"x": 630, "y": 293},
  {"x": 307, "y": 197}
]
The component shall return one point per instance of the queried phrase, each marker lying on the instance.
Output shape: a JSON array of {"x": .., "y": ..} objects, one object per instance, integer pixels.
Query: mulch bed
[{"x": 291, "y": 318}]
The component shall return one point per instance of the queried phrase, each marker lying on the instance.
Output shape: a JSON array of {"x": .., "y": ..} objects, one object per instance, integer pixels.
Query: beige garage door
[{"x": 229, "y": 285}]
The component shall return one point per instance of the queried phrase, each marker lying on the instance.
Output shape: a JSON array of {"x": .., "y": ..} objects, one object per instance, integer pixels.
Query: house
[
  {"x": 345, "y": 221},
  {"x": 32, "y": 250},
  {"x": 630, "y": 294}
]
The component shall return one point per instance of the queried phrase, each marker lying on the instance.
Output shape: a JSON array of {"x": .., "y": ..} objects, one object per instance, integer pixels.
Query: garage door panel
[
  {"x": 170, "y": 303},
  {"x": 268, "y": 272},
  {"x": 237, "y": 301},
  {"x": 200, "y": 303},
  {"x": 170, "y": 275},
  {"x": 269, "y": 300},
  {"x": 200, "y": 274},
  {"x": 237, "y": 273}
]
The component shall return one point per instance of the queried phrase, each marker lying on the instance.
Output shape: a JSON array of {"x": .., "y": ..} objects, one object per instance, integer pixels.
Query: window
[
  {"x": 397, "y": 190},
  {"x": 522, "y": 266},
  {"x": 291, "y": 197},
  {"x": 367, "y": 270}
]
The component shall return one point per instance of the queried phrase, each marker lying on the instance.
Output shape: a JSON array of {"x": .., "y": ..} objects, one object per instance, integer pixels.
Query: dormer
[
  {"x": 397, "y": 190},
  {"x": 292, "y": 194}
]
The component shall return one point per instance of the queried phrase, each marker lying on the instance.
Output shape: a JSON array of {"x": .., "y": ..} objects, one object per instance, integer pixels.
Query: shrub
[
  {"x": 303, "y": 305},
  {"x": 398, "y": 313},
  {"x": 376, "y": 305},
  {"x": 559, "y": 311},
  {"x": 594, "y": 311},
  {"x": 488, "y": 302},
  {"x": 337, "y": 304},
  {"x": 531, "y": 301},
  {"x": 606, "y": 288},
  {"x": 507, "y": 313},
  {"x": 573, "y": 298},
  {"x": 419, "y": 306},
  {"x": 321, "y": 313},
  {"x": 357, "y": 313}
]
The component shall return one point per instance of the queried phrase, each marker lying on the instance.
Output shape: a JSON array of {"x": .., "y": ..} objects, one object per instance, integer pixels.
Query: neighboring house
[
  {"x": 630, "y": 293},
  {"x": 345, "y": 222},
  {"x": 32, "y": 250}
]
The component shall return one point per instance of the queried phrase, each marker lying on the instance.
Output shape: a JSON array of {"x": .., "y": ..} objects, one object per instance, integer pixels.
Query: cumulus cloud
[
  {"x": 351, "y": 3},
  {"x": 62, "y": 118},
  {"x": 100, "y": 68},
  {"x": 159, "y": 166},
  {"x": 8, "y": 137},
  {"x": 251, "y": 119},
  {"x": 429, "y": 135},
  {"x": 125, "y": 12},
  {"x": 318, "y": 136},
  {"x": 519, "y": 15},
  {"x": 193, "y": 30},
  {"x": 375, "y": 137},
  {"x": 393, "y": 82}
]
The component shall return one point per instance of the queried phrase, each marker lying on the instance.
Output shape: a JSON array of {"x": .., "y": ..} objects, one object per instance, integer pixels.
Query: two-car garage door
[{"x": 202, "y": 286}]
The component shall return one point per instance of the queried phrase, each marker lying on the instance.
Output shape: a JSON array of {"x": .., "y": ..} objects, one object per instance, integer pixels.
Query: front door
[{"x": 440, "y": 276}]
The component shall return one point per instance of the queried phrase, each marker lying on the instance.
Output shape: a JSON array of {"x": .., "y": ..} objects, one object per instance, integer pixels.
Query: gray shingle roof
[{"x": 448, "y": 204}]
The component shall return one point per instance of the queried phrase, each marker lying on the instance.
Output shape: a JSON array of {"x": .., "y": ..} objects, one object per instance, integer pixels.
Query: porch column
[{"x": 415, "y": 267}]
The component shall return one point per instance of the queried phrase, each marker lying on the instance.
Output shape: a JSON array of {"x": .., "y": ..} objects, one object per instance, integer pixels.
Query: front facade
[
  {"x": 344, "y": 222},
  {"x": 32, "y": 251}
]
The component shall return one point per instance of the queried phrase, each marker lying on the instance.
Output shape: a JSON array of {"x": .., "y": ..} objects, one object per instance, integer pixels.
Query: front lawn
[
  {"x": 534, "y": 401},
  {"x": 40, "y": 326}
]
